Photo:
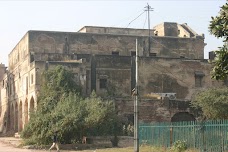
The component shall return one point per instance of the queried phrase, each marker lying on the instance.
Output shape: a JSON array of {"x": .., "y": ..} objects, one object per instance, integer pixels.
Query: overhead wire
[
  {"x": 128, "y": 18},
  {"x": 145, "y": 22},
  {"x": 135, "y": 18}
]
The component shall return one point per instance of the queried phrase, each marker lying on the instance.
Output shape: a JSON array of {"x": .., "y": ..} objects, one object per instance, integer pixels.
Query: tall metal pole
[
  {"x": 148, "y": 9},
  {"x": 136, "y": 125}
]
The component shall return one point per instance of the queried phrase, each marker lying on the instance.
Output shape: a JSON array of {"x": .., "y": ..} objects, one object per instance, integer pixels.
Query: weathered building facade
[{"x": 103, "y": 59}]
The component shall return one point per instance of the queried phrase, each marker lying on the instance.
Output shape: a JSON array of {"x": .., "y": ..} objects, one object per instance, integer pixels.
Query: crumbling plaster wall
[
  {"x": 105, "y": 44},
  {"x": 115, "y": 30},
  {"x": 20, "y": 90},
  {"x": 173, "y": 75},
  {"x": 171, "y": 29},
  {"x": 117, "y": 70},
  {"x": 2, "y": 81},
  {"x": 4, "y": 105},
  {"x": 81, "y": 43},
  {"x": 2, "y": 71},
  {"x": 152, "y": 110},
  {"x": 19, "y": 54},
  {"x": 174, "y": 47}
]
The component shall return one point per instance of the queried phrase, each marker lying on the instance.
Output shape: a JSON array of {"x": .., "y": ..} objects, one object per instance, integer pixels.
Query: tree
[
  {"x": 213, "y": 103},
  {"x": 56, "y": 83},
  {"x": 219, "y": 27},
  {"x": 220, "y": 69},
  {"x": 62, "y": 108}
]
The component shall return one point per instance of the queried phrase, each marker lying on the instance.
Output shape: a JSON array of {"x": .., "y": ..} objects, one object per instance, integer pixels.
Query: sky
[{"x": 17, "y": 17}]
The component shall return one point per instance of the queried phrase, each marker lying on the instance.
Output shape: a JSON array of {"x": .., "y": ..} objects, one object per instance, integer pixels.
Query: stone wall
[
  {"x": 157, "y": 75},
  {"x": 19, "y": 54},
  {"x": 115, "y": 30},
  {"x": 123, "y": 141},
  {"x": 191, "y": 48},
  {"x": 174, "y": 75},
  {"x": 107, "y": 44},
  {"x": 117, "y": 71},
  {"x": 154, "y": 110},
  {"x": 2, "y": 71}
]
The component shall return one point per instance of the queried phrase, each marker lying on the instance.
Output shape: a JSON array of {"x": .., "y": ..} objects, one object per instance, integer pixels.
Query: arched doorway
[
  {"x": 32, "y": 105},
  {"x": 20, "y": 117},
  {"x": 8, "y": 122},
  {"x": 16, "y": 117},
  {"x": 182, "y": 116},
  {"x": 26, "y": 111},
  {"x": 12, "y": 117}
]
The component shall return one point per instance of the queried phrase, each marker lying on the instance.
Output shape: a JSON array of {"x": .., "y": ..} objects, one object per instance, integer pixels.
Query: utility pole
[
  {"x": 148, "y": 9},
  {"x": 136, "y": 91},
  {"x": 136, "y": 124}
]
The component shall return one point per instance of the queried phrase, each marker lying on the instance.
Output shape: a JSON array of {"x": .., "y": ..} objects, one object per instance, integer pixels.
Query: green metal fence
[{"x": 209, "y": 136}]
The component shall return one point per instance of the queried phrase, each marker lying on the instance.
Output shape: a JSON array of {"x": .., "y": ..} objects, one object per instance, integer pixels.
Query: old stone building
[{"x": 103, "y": 59}]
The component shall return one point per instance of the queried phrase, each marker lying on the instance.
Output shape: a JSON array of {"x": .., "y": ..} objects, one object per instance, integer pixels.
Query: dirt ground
[
  {"x": 6, "y": 146},
  {"x": 10, "y": 144}
]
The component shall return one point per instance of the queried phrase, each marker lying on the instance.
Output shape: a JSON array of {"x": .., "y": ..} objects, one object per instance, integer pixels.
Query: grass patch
[{"x": 131, "y": 149}]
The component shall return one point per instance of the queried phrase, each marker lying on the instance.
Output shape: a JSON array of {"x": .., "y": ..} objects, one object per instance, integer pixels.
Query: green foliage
[
  {"x": 219, "y": 24},
  {"x": 58, "y": 80},
  {"x": 179, "y": 146},
  {"x": 219, "y": 27},
  {"x": 128, "y": 130},
  {"x": 62, "y": 109},
  {"x": 101, "y": 118},
  {"x": 213, "y": 103},
  {"x": 220, "y": 69}
]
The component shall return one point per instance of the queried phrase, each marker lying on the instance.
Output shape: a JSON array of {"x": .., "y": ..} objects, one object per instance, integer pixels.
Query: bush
[
  {"x": 128, "y": 130},
  {"x": 61, "y": 108},
  {"x": 179, "y": 146}
]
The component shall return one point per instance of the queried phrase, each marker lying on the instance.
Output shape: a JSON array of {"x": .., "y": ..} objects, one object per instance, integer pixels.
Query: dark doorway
[{"x": 182, "y": 116}]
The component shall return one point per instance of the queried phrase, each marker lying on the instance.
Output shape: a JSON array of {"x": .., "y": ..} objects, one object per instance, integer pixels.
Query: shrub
[
  {"x": 179, "y": 146},
  {"x": 61, "y": 108}
]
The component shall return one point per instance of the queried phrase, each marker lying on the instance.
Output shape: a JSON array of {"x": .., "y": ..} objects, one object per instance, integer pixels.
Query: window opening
[
  {"x": 153, "y": 54},
  {"x": 115, "y": 53},
  {"x": 103, "y": 83},
  {"x": 133, "y": 53}
]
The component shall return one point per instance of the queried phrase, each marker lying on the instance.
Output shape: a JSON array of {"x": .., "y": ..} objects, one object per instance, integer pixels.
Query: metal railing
[{"x": 209, "y": 136}]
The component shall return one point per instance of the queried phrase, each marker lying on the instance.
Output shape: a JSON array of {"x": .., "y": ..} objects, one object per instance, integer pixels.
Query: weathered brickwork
[{"x": 103, "y": 59}]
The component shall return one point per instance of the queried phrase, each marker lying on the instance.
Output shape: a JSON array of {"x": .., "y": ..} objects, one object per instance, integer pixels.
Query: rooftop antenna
[{"x": 148, "y": 9}]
